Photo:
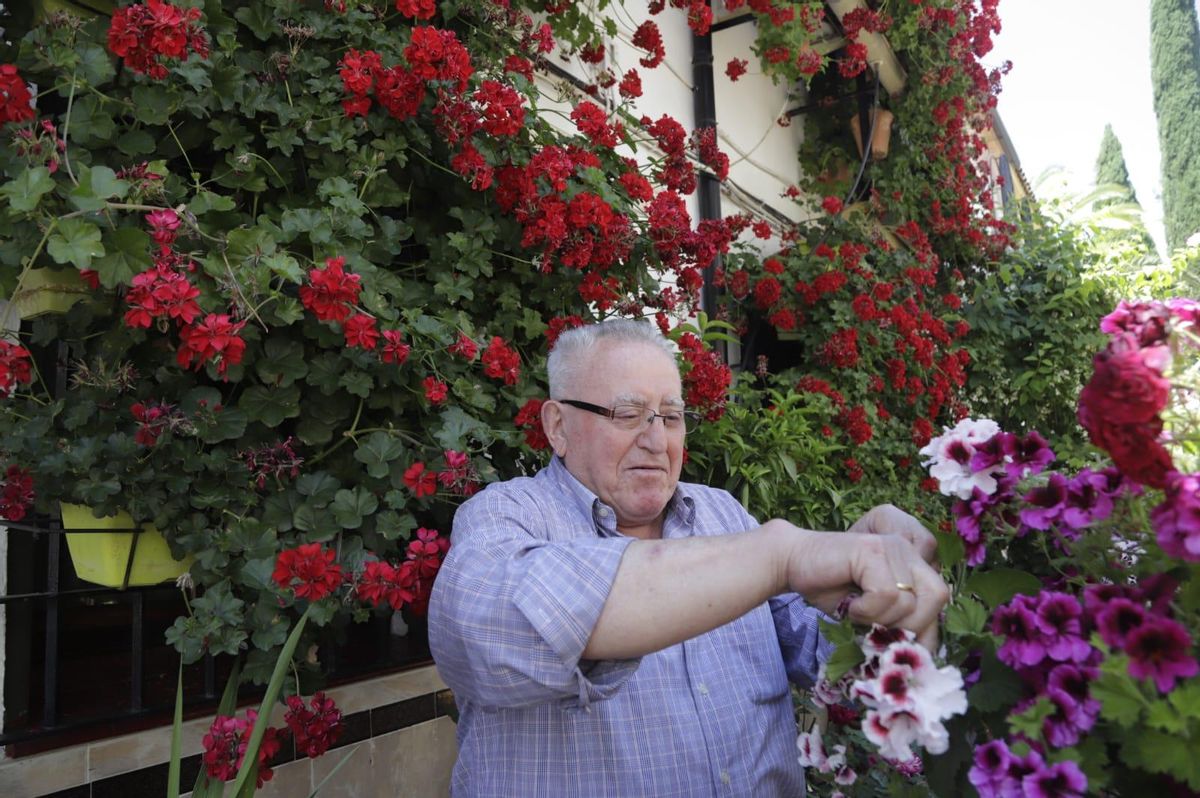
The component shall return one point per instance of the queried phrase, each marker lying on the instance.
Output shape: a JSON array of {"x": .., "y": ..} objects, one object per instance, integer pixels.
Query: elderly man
[{"x": 610, "y": 631}]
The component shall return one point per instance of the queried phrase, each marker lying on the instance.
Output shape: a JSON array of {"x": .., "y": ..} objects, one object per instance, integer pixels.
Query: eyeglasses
[{"x": 631, "y": 417}]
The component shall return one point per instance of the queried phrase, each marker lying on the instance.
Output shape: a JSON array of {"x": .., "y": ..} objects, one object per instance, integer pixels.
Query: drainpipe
[{"x": 704, "y": 104}]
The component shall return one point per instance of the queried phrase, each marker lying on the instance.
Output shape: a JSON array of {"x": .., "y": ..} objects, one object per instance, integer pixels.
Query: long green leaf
[
  {"x": 268, "y": 703},
  {"x": 176, "y": 737},
  {"x": 227, "y": 706},
  {"x": 336, "y": 768}
]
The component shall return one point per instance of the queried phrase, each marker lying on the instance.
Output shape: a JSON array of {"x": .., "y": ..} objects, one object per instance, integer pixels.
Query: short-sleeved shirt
[{"x": 531, "y": 563}]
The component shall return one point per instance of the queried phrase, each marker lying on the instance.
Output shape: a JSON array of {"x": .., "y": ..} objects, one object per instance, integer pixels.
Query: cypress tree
[
  {"x": 1111, "y": 169},
  {"x": 1175, "y": 75}
]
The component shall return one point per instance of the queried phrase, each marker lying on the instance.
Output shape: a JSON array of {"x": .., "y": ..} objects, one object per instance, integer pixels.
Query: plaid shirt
[{"x": 531, "y": 565}]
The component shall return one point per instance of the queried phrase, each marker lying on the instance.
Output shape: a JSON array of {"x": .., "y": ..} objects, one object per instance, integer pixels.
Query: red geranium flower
[
  {"x": 214, "y": 340},
  {"x": 14, "y": 367},
  {"x": 435, "y": 390},
  {"x": 14, "y": 96},
  {"x": 331, "y": 292},
  {"x": 315, "y": 730},
  {"x": 394, "y": 350},
  {"x": 501, "y": 362},
  {"x": 419, "y": 480},
  {"x": 309, "y": 570}
]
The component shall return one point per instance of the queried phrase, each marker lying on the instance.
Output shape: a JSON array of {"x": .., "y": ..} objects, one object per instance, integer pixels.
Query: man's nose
[{"x": 654, "y": 434}]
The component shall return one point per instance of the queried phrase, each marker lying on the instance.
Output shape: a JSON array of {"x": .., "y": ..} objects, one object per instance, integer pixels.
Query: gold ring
[{"x": 907, "y": 588}]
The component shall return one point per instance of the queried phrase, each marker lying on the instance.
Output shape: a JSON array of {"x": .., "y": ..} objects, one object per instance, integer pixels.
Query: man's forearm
[{"x": 667, "y": 591}]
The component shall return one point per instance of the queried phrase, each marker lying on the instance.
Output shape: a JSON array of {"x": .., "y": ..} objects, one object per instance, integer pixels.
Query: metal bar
[
  {"x": 210, "y": 676},
  {"x": 129, "y": 561},
  {"x": 58, "y": 530},
  {"x": 84, "y": 591},
  {"x": 137, "y": 649},
  {"x": 732, "y": 22},
  {"x": 50, "y": 665}
]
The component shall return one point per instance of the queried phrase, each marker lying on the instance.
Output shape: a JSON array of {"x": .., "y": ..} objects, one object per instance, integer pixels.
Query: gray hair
[{"x": 570, "y": 353}]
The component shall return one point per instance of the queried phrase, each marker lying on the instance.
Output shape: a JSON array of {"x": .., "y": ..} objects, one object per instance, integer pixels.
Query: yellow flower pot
[
  {"x": 101, "y": 557},
  {"x": 49, "y": 291}
]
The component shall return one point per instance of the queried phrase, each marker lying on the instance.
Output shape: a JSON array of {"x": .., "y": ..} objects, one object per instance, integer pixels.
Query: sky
[{"x": 1078, "y": 65}]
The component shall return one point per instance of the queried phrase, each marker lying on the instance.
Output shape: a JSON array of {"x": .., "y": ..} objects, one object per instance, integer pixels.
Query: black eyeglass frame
[{"x": 691, "y": 419}]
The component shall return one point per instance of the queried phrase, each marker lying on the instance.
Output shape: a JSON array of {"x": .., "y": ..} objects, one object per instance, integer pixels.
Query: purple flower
[
  {"x": 1046, "y": 503},
  {"x": 1177, "y": 520},
  {"x": 1160, "y": 650},
  {"x": 1097, "y": 596},
  {"x": 989, "y": 774},
  {"x": 1060, "y": 780},
  {"x": 1059, "y": 618},
  {"x": 1159, "y": 591},
  {"x": 1117, "y": 619},
  {"x": 1087, "y": 500},
  {"x": 1023, "y": 645},
  {"x": 1075, "y": 711},
  {"x": 995, "y": 451},
  {"x": 1031, "y": 455}
]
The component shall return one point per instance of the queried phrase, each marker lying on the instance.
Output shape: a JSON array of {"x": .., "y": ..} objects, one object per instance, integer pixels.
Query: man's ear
[{"x": 553, "y": 426}]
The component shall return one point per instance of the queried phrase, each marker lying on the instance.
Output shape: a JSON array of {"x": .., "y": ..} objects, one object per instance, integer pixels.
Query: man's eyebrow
[{"x": 637, "y": 399}]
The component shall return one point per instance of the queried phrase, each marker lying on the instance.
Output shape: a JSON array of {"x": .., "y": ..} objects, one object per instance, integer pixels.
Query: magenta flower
[
  {"x": 995, "y": 451},
  {"x": 1117, "y": 619},
  {"x": 1046, "y": 503},
  {"x": 1060, "y": 619},
  {"x": 1060, "y": 780},
  {"x": 1160, "y": 650},
  {"x": 1031, "y": 455},
  {"x": 1177, "y": 520},
  {"x": 1145, "y": 320},
  {"x": 1158, "y": 590},
  {"x": 1087, "y": 500},
  {"x": 989, "y": 775},
  {"x": 1075, "y": 711},
  {"x": 1018, "y": 623},
  {"x": 1097, "y": 596}
]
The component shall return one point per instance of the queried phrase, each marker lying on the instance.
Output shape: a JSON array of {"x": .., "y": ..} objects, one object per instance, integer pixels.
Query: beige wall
[{"x": 412, "y": 761}]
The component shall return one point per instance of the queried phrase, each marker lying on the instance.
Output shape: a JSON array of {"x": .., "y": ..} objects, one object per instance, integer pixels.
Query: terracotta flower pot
[{"x": 882, "y": 136}]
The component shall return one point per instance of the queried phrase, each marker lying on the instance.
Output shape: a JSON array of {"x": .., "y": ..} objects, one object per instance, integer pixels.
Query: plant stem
[{"x": 66, "y": 132}]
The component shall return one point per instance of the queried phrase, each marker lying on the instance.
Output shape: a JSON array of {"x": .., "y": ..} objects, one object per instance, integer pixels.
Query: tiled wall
[{"x": 399, "y": 736}]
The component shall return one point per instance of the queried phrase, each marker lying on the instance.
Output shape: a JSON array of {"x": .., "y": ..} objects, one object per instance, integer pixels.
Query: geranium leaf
[
  {"x": 270, "y": 406},
  {"x": 377, "y": 452},
  {"x": 1121, "y": 700},
  {"x": 393, "y": 525},
  {"x": 965, "y": 616},
  {"x": 26, "y": 190},
  {"x": 127, "y": 253},
  {"x": 282, "y": 362},
  {"x": 320, "y": 486},
  {"x": 96, "y": 185},
  {"x": 351, "y": 506},
  {"x": 457, "y": 428},
  {"x": 1000, "y": 584}
]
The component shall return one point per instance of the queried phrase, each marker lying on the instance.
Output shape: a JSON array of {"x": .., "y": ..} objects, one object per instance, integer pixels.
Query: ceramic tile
[
  {"x": 358, "y": 778},
  {"x": 402, "y": 714},
  {"x": 416, "y": 762},
  {"x": 41, "y": 774},
  {"x": 142, "y": 749},
  {"x": 387, "y": 689},
  {"x": 293, "y": 780}
]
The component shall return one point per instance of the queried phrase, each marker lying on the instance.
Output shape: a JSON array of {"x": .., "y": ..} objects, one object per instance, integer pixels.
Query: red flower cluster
[
  {"x": 147, "y": 34},
  {"x": 735, "y": 68},
  {"x": 592, "y": 122},
  {"x": 647, "y": 37},
  {"x": 14, "y": 367},
  {"x": 1120, "y": 407},
  {"x": 16, "y": 493},
  {"x": 706, "y": 378},
  {"x": 501, "y": 362},
  {"x": 529, "y": 420},
  {"x": 161, "y": 292},
  {"x": 705, "y": 142},
  {"x": 417, "y": 9},
  {"x": 331, "y": 292},
  {"x": 225, "y": 747},
  {"x": 383, "y": 583},
  {"x": 153, "y": 420},
  {"x": 459, "y": 476},
  {"x": 315, "y": 728},
  {"x": 841, "y": 350},
  {"x": 421, "y": 481},
  {"x": 216, "y": 340},
  {"x": 436, "y": 391},
  {"x": 309, "y": 570},
  {"x": 15, "y": 98}
]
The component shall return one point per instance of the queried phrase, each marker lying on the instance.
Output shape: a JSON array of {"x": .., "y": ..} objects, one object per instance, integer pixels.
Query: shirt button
[
  {"x": 703, "y": 688},
  {"x": 602, "y": 512},
  {"x": 724, "y": 776}
]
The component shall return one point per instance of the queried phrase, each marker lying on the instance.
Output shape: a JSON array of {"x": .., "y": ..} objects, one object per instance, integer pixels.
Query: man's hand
[
  {"x": 887, "y": 519},
  {"x": 883, "y": 559}
]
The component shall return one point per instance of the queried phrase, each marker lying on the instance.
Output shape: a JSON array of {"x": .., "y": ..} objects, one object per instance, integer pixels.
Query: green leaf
[
  {"x": 319, "y": 486},
  {"x": 1159, "y": 752},
  {"x": 351, "y": 506},
  {"x": 1186, "y": 699},
  {"x": 394, "y": 526},
  {"x": 270, "y": 406},
  {"x": 25, "y": 191},
  {"x": 259, "y": 18},
  {"x": 136, "y": 142},
  {"x": 950, "y": 548},
  {"x": 91, "y": 122},
  {"x": 206, "y": 201},
  {"x": 282, "y": 362},
  {"x": 1162, "y": 715},
  {"x": 965, "y": 616},
  {"x": 152, "y": 104},
  {"x": 998, "y": 687},
  {"x": 999, "y": 585},
  {"x": 1121, "y": 700},
  {"x": 457, "y": 427},
  {"x": 76, "y": 242},
  {"x": 95, "y": 66},
  {"x": 377, "y": 451},
  {"x": 1030, "y": 721},
  {"x": 358, "y": 383},
  {"x": 96, "y": 184},
  {"x": 127, "y": 253}
]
